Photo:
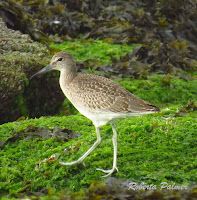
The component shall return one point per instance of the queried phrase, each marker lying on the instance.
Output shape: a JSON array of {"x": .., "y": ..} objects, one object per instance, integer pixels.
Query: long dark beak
[{"x": 43, "y": 71}]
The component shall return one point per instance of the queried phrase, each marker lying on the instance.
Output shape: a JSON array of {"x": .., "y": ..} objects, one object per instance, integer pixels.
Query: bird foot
[{"x": 108, "y": 171}]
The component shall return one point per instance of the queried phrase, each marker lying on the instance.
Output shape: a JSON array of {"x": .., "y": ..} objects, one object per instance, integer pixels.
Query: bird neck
[{"x": 67, "y": 76}]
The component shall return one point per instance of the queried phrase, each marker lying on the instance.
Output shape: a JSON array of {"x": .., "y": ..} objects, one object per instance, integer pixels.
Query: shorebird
[{"x": 98, "y": 98}]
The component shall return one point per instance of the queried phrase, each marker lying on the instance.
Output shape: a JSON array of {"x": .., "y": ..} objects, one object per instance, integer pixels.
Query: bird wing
[{"x": 102, "y": 94}]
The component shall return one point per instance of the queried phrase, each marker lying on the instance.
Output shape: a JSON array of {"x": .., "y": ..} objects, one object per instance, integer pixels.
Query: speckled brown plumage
[{"x": 99, "y": 93}]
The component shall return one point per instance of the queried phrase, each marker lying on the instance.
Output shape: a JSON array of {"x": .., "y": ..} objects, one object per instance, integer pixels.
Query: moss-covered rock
[
  {"x": 21, "y": 57},
  {"x": 151, "y": 149}
]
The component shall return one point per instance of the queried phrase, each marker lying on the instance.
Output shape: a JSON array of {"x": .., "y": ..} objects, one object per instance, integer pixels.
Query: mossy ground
[{"x": 151, "y": 148}]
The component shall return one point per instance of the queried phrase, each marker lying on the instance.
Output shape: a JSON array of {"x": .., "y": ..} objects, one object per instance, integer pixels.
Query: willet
[{"x": 98, "y": 98}]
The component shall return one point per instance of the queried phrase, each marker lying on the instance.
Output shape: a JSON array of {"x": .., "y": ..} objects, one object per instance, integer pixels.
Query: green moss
[
  {"x": 175, "y": 92},
  {"x": 94, "y": 49},
  {"x": 152, "y": 148}
]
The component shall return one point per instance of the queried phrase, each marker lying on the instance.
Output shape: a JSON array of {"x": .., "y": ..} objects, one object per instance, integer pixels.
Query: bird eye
[{"x": 59, "y": 59}]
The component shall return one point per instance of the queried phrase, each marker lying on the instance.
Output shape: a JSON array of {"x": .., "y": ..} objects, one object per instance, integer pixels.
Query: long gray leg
[
  {"x": 115, "y": 142},
  {"x": 98, "y": 141}
]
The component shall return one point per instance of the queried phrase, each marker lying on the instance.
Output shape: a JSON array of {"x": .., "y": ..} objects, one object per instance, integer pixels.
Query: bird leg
[
  {"x": 98, "y": 141},
  {"x": 115, "y": 142}
]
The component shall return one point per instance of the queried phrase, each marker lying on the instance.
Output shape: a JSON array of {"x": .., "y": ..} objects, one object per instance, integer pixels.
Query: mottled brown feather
[{"x": 99, "y": 93}]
